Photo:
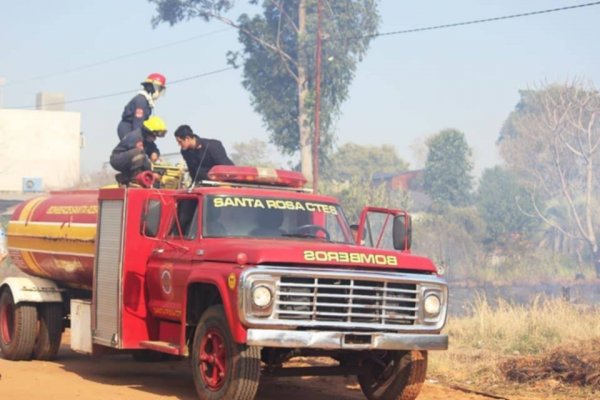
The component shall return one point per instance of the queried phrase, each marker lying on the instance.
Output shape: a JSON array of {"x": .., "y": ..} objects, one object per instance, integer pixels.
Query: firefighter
[
  {"x": 131, "y": 156},
  {"x": 140, "y": 107},
  {"x": 200, "y": 154}
]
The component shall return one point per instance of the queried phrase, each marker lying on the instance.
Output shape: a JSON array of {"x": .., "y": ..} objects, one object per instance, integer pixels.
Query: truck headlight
[
  {"x": 262, "y": 296},
  {"x": 432, "y": 305}
]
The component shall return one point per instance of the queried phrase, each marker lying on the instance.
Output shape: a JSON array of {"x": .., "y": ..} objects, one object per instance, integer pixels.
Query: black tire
[
  {"x": 18, "y": 328},
  {"x": 50, "y": 329},
  {"x": 223, "y": 369},
  {"x": 394, "y": 375}
]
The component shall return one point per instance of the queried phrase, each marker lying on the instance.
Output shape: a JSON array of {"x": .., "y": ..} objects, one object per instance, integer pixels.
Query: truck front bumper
[{"x": 345, "y": 340}]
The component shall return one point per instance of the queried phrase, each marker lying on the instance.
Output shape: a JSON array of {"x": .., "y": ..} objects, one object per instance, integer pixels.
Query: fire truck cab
[{"x": 239, "y": 274}]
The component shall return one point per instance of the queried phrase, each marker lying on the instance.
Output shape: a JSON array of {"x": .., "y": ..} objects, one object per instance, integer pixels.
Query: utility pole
[{"x": 315, "y": 158}]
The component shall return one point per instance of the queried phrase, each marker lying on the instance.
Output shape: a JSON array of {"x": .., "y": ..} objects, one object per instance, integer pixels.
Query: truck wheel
[
  {"x": 396, "y": 375},
  {"x": 50, "y": 329},
  {"x": 17, "y": 328},
  {"x": 223, "y": 369}
]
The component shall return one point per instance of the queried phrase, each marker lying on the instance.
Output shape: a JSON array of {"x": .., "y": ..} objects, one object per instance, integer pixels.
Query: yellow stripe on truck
[
  {"x": 30, "y": 207},
  {"x": 31, "y": 262},
  {"x": 57, "y": 246},
  {"x": 51, "y": 230}
]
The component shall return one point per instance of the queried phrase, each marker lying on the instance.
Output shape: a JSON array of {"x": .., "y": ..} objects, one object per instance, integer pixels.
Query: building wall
[
  {"x": 406, "y": 180},
  {"x": 39, "y": 144}
]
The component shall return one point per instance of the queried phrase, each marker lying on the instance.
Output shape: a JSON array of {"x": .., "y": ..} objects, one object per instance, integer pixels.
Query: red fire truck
[{"x": 239, "y": 274}]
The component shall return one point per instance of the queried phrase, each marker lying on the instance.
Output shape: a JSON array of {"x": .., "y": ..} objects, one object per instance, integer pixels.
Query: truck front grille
[{"x": 358, "y": 303}]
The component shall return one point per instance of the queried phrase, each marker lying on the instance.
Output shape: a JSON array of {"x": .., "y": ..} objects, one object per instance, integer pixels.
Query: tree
[
  {"x": 349, "y": 176},
  {"x": 362, "y": 161},
  {"x": 254, "y": 152},
  {"x": 355, "y": 194},
  {"x": 279, "y": 60},
  {"x": 453, "y": 240},
  {"x": 504, "y": 206},
  {"x": 447, "y": 178},
  {"x": 552, "y": 142}
]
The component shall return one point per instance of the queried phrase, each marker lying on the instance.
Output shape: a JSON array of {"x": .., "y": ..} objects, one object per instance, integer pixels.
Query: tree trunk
[
  {"x": 596, "y": 256},
  {"x": 303, "y": 122}
]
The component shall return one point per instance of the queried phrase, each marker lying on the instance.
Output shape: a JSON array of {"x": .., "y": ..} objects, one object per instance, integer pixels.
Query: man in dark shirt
[{"x": 200, "y": 154}]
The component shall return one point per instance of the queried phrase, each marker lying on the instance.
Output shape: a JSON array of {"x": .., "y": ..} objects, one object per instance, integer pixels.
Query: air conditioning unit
[{"x": 32, "y": 185}]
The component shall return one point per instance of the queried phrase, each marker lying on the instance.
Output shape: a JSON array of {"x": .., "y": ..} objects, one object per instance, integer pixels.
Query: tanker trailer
[{"x": 51, "y": 239}]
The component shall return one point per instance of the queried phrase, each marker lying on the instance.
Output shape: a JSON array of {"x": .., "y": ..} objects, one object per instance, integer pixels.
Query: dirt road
[
  {"x": 76, "y": 376},
  {"x": 82, "y": 377}
]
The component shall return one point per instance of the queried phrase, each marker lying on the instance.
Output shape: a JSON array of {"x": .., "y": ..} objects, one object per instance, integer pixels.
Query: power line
[
  {"x": 480, "y": 21},
  {"x": 400, "y": 32},
  {"x": 117, "y": 58},
  {"x": 375, "y": 35},
  {"x": 189, "y": 78}
]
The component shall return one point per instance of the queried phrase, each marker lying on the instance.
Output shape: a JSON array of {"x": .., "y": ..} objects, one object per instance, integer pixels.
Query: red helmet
[{"x": 158, "y": 80}]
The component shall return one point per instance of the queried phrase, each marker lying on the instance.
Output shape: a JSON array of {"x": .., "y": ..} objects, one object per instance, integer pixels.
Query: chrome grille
[{"x": 353, "y": 301}]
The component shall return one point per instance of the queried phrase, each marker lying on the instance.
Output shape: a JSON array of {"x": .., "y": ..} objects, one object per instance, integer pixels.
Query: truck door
[
  {"x": 170, "y": 262},
  {"x": 385, "y": 228}
]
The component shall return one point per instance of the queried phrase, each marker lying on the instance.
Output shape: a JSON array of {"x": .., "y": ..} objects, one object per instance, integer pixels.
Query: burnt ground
[{"x": 578, "y": 365}]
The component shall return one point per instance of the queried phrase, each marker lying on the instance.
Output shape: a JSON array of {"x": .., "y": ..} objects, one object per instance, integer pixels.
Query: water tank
[{"x": 54, "y": 237}]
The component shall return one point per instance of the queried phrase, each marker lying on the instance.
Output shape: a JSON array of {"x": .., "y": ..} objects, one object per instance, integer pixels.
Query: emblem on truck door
[{"x": 166, "y": 279}]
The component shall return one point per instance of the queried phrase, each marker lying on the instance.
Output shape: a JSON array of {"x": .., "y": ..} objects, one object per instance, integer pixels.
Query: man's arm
[
  {"x": 152, "y": 151},
  {"x": 216, "y": 156},
  {"x": 141, "y": 111}
]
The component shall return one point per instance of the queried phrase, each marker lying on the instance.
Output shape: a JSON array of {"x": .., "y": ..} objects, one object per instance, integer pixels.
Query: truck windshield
[{"x": 267, "y": 217}]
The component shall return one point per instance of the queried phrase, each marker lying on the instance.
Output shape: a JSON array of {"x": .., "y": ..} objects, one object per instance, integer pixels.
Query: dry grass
[{"x": 488, "y": 337}]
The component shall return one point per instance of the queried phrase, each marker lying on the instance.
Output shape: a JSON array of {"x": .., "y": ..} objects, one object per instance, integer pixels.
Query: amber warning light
[{"x": 264, "y": 176}]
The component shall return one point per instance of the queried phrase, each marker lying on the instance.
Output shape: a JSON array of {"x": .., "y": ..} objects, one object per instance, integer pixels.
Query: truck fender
[
  {"x": 231, "y": 311},
  {"x": 32, "y": 290}
]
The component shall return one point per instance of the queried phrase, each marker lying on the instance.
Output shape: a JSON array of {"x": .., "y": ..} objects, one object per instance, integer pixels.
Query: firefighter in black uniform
[
  {"x": 200, "y": 155},
  {"x": 140, "y": 107},
  {"x": 133, "y": 153}
]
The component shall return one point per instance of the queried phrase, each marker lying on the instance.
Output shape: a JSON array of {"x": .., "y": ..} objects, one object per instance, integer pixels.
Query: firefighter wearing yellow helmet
[
  {"x": 137, "y": 150},
  {"x": 156, "y": 128},
  {"x": 140, "y": 107}
]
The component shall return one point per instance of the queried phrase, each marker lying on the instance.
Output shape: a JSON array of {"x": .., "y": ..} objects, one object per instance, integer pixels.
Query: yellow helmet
[{"x": 156, "y": 125}]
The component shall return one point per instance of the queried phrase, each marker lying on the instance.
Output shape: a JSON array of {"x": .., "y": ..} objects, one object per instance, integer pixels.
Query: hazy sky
[{"x": 407, "y": 88}]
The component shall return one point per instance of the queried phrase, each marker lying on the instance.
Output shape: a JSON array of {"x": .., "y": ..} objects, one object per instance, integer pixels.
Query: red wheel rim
[
  {"x": 6, "y": 322},
  {"x": 213, "y": 359}
]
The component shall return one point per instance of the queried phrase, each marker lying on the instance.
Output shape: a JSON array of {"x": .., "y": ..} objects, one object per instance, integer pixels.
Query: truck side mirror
[
  {"x": 402, "y": 232},
  {"x": 354, "y": 230}
]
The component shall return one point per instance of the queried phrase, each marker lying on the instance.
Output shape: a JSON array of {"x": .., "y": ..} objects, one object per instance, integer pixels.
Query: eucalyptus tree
[{"x": 278, "y": 58}]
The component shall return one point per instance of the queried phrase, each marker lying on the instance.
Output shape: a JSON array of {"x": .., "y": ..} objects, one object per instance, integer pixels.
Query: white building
[{"x": 39, "y": 150}]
